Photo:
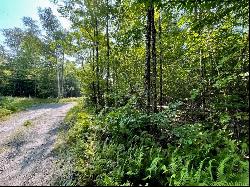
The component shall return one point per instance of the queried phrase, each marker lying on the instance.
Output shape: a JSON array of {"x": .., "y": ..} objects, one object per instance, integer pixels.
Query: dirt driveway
[{"x": 27, "y": 140}]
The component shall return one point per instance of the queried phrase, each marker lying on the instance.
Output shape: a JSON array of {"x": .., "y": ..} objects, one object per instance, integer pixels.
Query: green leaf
[{"x": 224, "y": 118}]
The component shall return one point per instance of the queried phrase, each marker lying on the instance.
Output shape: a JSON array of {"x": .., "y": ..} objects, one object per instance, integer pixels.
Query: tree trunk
[
  {"x": 201, "y": 62},
  {"x": 97, "y": 63},
  {"x": 62, "y": 80},
  {"x": 148, "y": 57},
  {"x": 154, "y": 70},
  {"x": 58, "y": 78},
  {"x": 108, "y": 52},
  {"x": 116, "y": 81},
  {"x": 93, "y": 83},
  {"x": 160, "y": 62}
]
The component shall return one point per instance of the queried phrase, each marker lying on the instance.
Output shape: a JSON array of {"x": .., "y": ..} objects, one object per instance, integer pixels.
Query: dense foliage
[
  {"x": 32, "y": 62},
  {"x": 117, "y": 148}
]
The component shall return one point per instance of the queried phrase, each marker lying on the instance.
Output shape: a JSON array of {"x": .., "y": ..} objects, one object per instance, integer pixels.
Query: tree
[
  {"x": 53, "y": 34},
  {"x": 160, "y": 61},
  {"x": 147, "y": 87},
  {"x": 108, "y": 52}
]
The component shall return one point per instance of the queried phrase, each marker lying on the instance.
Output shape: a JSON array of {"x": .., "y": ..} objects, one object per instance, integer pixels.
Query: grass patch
[
  {"x": 4, "y": 112},
  {"x": 27, "y": 123},
  {"x": 9, "y": 105},
  {"x": 70, "y": 99}
]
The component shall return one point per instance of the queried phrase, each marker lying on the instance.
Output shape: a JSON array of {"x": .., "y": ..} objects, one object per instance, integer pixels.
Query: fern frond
[
  {"x": 220, "y": 171},
  {"x": 198, "y": 173},
  {"x": 210, "y": 169}
]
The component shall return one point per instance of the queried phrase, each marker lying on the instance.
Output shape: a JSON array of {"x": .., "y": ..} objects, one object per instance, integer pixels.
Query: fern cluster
[{"x": 119, "y": 148}]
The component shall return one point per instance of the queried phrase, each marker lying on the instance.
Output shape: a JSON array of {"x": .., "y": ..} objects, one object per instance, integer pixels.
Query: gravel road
[{"x": 26, "y": 152}]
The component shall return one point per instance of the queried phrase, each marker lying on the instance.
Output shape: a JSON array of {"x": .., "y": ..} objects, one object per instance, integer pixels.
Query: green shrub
[
  {"x": 128, "y": 147},
  {"x": 205, "y": 158},
  {"x": 4, "y": 112}
]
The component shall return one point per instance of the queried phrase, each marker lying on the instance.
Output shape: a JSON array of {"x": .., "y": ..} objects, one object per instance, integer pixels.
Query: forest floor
[{"x": 27, "y": 141}]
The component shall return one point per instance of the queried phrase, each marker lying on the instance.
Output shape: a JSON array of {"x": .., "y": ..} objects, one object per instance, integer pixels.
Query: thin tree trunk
[
  {"x": 62, "y": 83},
  {"x": 58, "y": 78},
  {"x": 160, "y": 62},
  {"x": 154, "y": 71},
  {"x": 108, "y": 52},
  {"x": 201, "y": 63},
  {"x": 33, "y": 60},
  {"x": 148, "y": 57},
  {"x": 58, "y": 82},
  {"x": 116, "y": 81},
  {"x": 93, "y": 83},
  {"x": 97, "y": 64}
]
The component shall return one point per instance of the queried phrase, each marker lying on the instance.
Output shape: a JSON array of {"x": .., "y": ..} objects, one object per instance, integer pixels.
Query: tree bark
[
  {"x": 58, "y": 77},
  {"x": 147, "y": 89},
  {"x": 62, "y": 83},
  {"x": 108, "y": 52},
  {"x": 201, "y": 62},
  {"x": 97, "y": 63},
  {"x": 160, "y": 62},
  {"x": 93, "y": 82},
  {"x": 154, "y": 70}
]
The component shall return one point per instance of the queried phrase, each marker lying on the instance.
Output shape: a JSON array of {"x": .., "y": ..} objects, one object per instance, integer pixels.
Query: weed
[{"x": 27, "y": 123}]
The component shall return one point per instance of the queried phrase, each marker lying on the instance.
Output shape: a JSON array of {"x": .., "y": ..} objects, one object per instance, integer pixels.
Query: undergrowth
[{"x": 127, "y": 147}]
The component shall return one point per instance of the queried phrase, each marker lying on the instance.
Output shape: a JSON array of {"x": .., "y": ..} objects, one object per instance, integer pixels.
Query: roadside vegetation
[{"x": 127, "y": 147}]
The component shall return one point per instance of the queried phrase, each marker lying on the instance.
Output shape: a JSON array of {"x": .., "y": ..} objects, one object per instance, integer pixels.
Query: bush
[
  {"x": 205, "y": 158},
  {"x": 127, "y": 147},
  {"x": 4, "y": 112}
]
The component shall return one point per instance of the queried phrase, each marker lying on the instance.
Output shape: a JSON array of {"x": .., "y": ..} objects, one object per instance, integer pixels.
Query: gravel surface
[{"x": 26, "y": 152}]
